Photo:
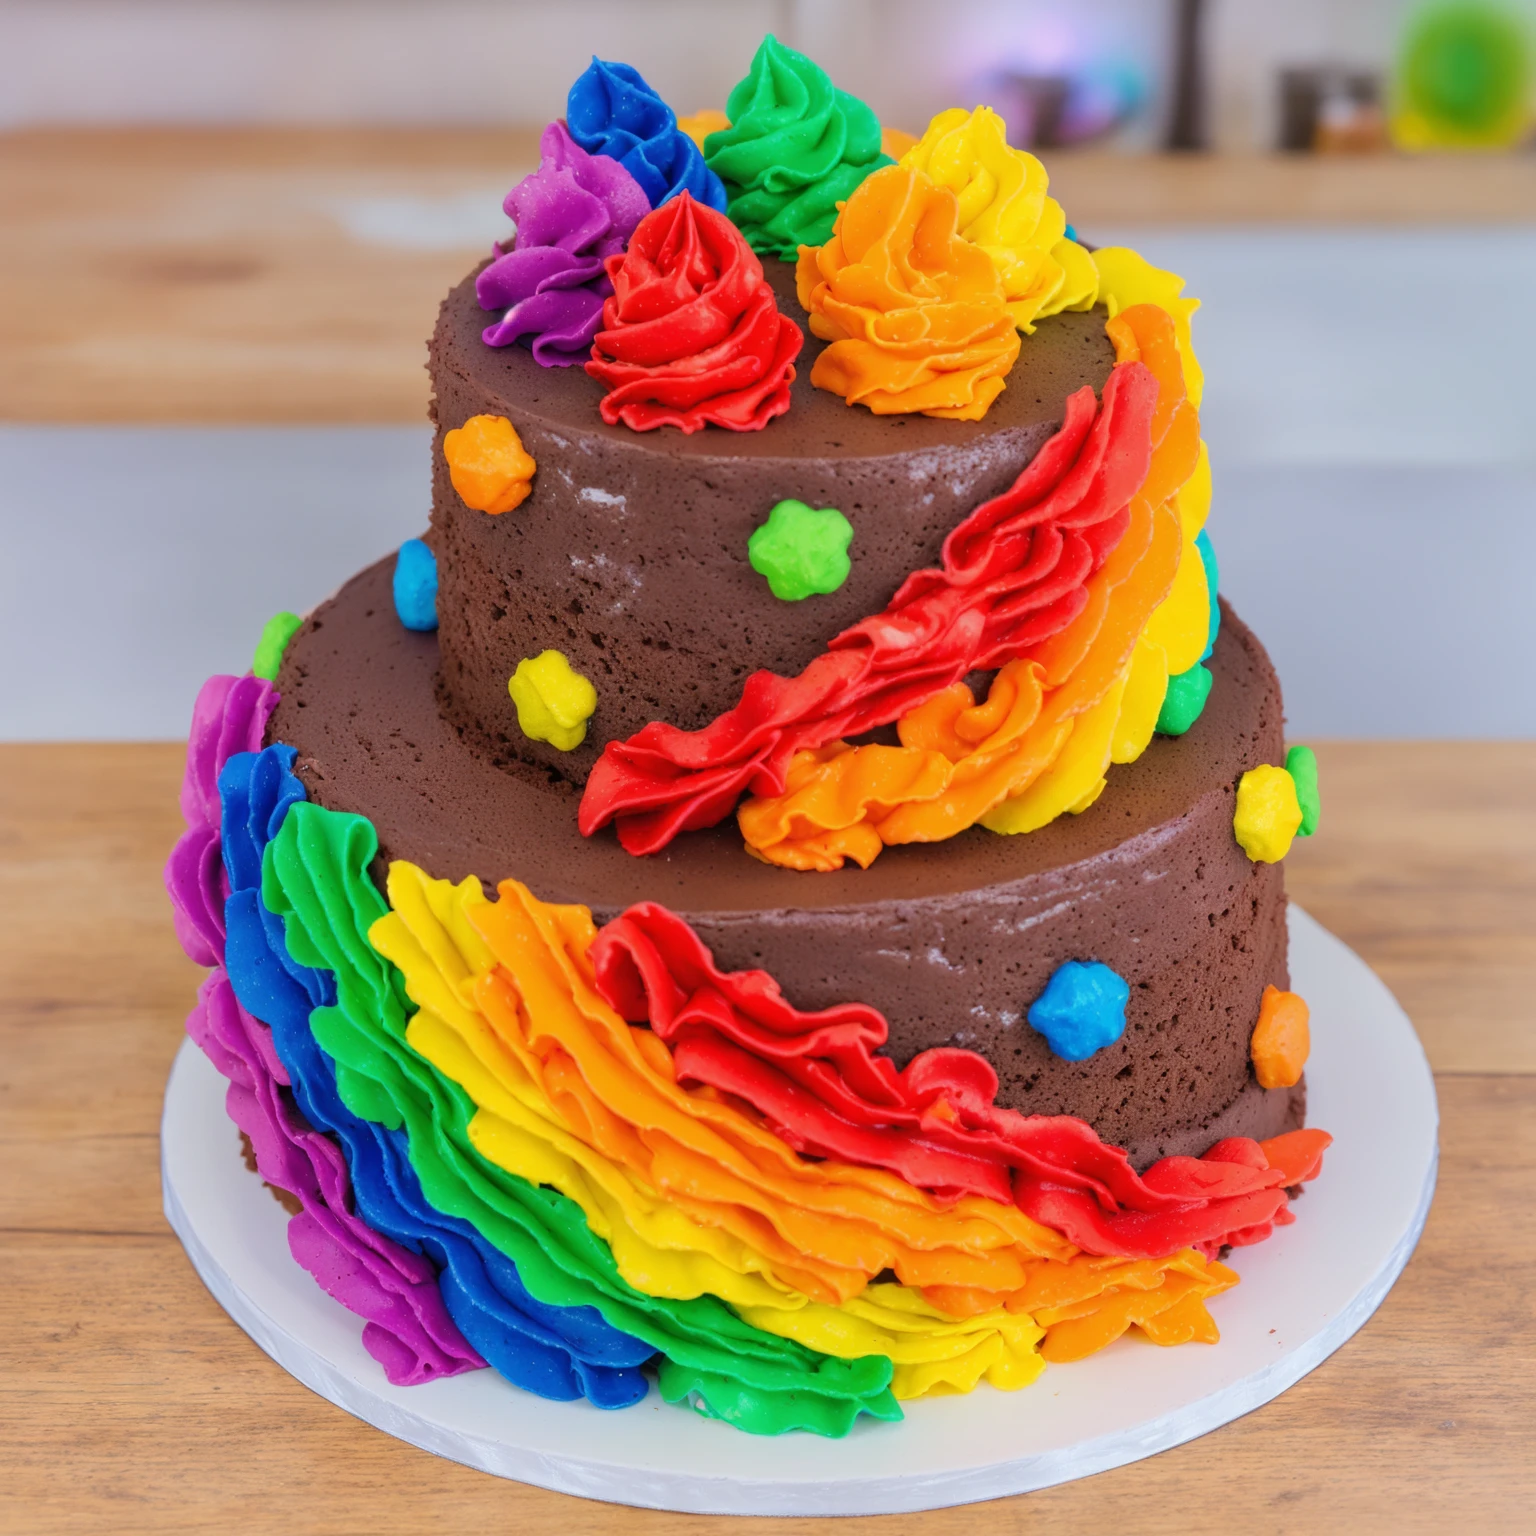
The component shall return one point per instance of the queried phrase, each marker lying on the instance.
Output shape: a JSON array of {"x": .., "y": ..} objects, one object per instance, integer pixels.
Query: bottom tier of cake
[
  {"x": 949, "y": 941},
  {"x": 591, "y": 1157}
]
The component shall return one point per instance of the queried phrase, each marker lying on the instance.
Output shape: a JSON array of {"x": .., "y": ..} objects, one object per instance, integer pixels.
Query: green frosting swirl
[
  {"x": 797, "y": 147},
  {"x": 315, "y": 877}
]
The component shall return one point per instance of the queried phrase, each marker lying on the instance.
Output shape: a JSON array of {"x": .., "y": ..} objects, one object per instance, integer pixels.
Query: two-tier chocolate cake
[{"x": 779, "y": 891}]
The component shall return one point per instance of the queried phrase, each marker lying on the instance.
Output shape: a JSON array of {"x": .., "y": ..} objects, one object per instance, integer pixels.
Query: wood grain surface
[
  {"x": 293, "y": 275},
  {"x": 130, "y": 1403}
]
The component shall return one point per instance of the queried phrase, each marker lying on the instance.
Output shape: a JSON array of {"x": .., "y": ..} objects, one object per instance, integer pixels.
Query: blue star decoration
[{"x": 1081, "y": 1010}]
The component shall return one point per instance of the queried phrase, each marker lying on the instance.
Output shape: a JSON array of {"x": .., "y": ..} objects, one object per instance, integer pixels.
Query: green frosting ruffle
[
  {"x": 797, "y": 147},
  {"x": 315, "y": 877}
]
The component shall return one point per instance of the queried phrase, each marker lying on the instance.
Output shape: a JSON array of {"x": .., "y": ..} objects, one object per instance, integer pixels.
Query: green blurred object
[{"x": 1463, "y": 78}]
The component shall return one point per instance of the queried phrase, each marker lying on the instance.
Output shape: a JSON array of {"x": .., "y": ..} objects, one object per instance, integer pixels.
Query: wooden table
[{"x": 130, "y": 1403}]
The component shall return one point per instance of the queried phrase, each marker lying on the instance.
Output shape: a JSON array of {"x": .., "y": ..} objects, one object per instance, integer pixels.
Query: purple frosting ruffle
[
  {"x": 407, "y": 1328},
  {"x": 229, "y": 717},
  {"x": 571, "y": 213}
]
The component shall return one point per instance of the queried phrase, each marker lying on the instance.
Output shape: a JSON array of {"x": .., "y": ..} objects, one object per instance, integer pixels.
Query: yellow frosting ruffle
[
  {"x": 916, "y": 315},
  {"x": 1055, "y": 720},
  {"x": 695, "y": 1196},
  {"x": 933, "y": 1354},
  {"x": 1005, "y": 210},
  {"x": 1180, "y": 625},
  {"x": 1126, "y": 277}
]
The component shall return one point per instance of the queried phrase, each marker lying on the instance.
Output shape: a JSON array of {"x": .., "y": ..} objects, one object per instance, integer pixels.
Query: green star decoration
[{"x": 802, "y": 550}]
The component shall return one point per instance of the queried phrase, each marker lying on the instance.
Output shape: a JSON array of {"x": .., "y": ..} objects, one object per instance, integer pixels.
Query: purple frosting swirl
[
  {"x": 407, "y": 1328},
  {"x": 571, "y": 213}
]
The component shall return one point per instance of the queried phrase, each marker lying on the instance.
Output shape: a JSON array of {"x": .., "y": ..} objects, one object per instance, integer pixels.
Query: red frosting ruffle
[
  {"x": 692, "y": 334},
  {"x": 816, "y": 1080},
  {"x": 1013, "y": 574}
]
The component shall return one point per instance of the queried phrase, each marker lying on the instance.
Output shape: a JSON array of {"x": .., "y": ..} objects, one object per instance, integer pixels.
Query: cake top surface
[
  {"x": 438, "y": 802},
  {"x": 1068, "y": 351}
]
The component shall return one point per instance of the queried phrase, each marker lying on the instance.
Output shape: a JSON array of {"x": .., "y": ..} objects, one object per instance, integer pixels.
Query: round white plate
[{"x": 1303, "y": 1293}]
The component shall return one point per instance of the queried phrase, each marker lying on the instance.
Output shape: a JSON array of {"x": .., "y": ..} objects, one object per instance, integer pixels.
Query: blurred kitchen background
[{"x": 227, "y": 225}]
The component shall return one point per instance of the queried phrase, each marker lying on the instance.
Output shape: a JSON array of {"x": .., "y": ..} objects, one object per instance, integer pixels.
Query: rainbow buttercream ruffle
[
  {"x": 393, "y": 1289},
  {"x": 495, "y": 1166},
  {"x": 692, "y": 1194},
  {"x": 556, "y": 1351}
]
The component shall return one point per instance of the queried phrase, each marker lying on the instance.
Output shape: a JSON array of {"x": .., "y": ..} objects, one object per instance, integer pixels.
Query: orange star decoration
[{"x": 489, "y": 467}]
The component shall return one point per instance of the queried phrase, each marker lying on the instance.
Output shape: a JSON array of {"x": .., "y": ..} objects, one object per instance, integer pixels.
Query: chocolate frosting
[
  {"x": 630, "y": 556},
  {"x": 952, "y": 940}
]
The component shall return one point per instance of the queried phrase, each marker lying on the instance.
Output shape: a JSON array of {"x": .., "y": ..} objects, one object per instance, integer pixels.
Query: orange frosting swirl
[{"x": 916, "y": 314}]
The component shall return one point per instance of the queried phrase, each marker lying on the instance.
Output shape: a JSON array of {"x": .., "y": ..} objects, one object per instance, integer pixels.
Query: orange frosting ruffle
[
  {"x": 1041, "y": 742},
  {"x": 916, "y": 314}
]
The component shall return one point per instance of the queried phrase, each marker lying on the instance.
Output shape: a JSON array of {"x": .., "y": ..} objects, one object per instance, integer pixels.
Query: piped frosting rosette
[
  {"x": 613, "y": 112},
  {"x": 1004, "y": 209},
  {"x": 917, "y": 316},
  {"x": 795, "y": 149},
  {"x": 571, "y": 214},
  {"x": 588, "y": 1155},
  {"x": 692, "y": 335}
]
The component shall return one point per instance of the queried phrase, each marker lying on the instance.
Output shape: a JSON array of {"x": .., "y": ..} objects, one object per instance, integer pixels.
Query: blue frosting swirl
[
  {"x": 555, "y": 1352},
  {"x": 1212, "y": 580},
  {"x": 612, "y": 111}
]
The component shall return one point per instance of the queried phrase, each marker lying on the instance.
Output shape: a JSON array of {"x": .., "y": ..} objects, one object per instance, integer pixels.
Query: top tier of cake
[{"x": 630, "y": 555}]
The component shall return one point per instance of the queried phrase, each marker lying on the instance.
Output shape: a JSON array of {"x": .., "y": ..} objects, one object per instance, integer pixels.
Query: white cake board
[{"x": 1303, "y": 1293}]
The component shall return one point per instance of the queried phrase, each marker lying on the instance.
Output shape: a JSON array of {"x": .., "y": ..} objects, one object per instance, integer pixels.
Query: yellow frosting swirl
[
  {"x": 1005, "y": 209},
  {"x": 916, "y": 315}
]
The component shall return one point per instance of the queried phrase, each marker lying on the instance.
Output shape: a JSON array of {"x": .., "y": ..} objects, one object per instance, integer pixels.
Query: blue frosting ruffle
[
  {"x": 612, "y": 111},
  {"x": 555, "y": 1352}
]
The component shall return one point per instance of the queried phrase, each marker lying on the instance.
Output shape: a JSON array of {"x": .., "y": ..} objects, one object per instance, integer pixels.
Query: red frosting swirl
[
  {"x": 692, "y": 333},
  {"x": 820, "y": 1082}
]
